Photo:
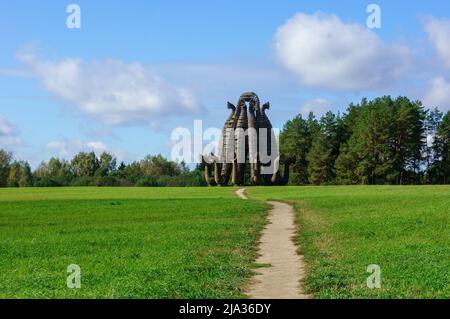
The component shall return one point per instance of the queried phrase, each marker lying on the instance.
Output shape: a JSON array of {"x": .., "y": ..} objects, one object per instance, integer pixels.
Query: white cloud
[
  {"x": 12, "y": 72},
  {"x": 5, "y": 127},
  {"x": 318, "y": 106},
  {"x": 438, "y": 94},
  {"x": 325, "y": 52},
  {"x": 438, "y": 31},
  {"x": 115, "y": 92},
  {"x": 8, "y": 133},
  {"x": 97, "y": 147},
  {"x": 67, "y": 148}
]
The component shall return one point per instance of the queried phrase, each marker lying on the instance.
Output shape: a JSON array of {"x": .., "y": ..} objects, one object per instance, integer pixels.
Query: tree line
[
  {"x": 86, "y": 169},
  {"x": 382, "y": 141}
]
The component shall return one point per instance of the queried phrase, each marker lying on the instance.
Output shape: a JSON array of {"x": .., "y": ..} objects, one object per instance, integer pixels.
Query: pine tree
[
  {"x": 325, "y": 149},
  {"x": 296, "y": 140},
  {"x": 320, "y": 157},
  {"x": 409, "y": 138},
  {"x": 386, "y": 143},
  {"x": 367, "y": 157},
  {"x": 440, "y": 169},
  {"x": 432, "y": 121}
]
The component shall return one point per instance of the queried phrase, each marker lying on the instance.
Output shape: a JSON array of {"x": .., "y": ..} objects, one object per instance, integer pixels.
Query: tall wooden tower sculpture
[{"x": 247, "y": 141}]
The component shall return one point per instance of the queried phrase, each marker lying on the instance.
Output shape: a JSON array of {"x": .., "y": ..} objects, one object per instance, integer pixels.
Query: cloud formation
[
  {"x": 115, "y": 92},
  {"x": 326, "y": 52},
  {"x": 8, "y": 133},
  {"x": 438, "y": 94},
  {"x": 438, "y": 31},
  {"x": 68, "y": 148},
  {"x": 318, "y": 106}
]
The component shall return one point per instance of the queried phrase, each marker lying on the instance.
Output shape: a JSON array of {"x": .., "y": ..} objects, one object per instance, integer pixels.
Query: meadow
[
  {"x": 201, "y": 242},
  {"x": 405, "y": 230},
  {"x": 128, "y": 242}
]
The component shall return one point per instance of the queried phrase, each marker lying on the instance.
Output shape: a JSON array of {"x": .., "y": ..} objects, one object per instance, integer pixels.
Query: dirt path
[
  {"x": 241, "y": 193},
  {"x": 277, "y": 248}
]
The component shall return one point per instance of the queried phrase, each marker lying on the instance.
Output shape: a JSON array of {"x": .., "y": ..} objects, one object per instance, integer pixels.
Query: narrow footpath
[{"x": 277, "y": 248}]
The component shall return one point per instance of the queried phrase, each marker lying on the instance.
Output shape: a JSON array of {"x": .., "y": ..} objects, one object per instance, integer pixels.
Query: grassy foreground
[
  {"x": 129, "y": 242},
  {"x": 404, "y": 230},
  {"x": 201, "y": 242}
]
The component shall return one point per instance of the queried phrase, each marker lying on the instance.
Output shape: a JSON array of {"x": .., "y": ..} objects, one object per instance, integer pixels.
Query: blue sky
[{"x": 138, "y": 69}]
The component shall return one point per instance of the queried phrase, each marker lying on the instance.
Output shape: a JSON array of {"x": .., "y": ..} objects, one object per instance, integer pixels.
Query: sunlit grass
[
  {"x": 129, "y": 242},
  {"x": 404, "y": 230}
]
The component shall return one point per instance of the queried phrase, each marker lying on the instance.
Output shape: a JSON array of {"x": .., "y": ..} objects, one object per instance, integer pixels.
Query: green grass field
[
  {"x": 201, "y": 242},
  {"x": 343, "y": 229},
  {"x": 129, "y": 242}
]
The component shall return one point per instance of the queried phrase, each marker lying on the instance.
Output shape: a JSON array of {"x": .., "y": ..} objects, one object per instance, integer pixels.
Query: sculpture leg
[
  {"x": 287, "y": 165},
  {"x": 234, "y": 178},
  {"x": 276, "y": 176},
  {"x": 226, "y": 172},
  {"x": 240, "y": 173},
  {"x": 217, "y": 177},
  {"x": 208, "y": 178},
  {"x": 257, "y": 174},
  {"x": 277, "y": 179}
]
